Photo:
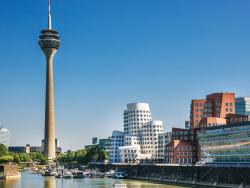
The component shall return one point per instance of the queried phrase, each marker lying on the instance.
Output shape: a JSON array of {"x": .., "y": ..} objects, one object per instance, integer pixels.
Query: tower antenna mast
[{"x": 49, "y": 16}]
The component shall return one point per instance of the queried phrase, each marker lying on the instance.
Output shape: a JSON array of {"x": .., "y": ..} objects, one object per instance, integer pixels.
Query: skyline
[{"x": 108, "y": 42}]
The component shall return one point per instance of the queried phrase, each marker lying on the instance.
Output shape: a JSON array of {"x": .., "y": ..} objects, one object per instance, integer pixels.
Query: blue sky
[{"x": 115, "y": 52}]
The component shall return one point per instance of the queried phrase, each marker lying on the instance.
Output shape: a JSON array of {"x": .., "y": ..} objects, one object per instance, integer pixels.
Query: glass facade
[
  {"x": 5, "y": 137},
  {"x": 242, "y": 105},
  {"x": 227, "y": 144}
]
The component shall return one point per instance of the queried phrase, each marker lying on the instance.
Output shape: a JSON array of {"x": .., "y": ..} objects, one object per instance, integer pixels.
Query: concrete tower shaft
[{"x": 49, "y": 42}]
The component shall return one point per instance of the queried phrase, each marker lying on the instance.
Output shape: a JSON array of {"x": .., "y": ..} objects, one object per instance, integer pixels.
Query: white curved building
[
  {"x": 142, "y": 138},
  {"x": 141, "y": 133},
  {"x": 135, "y": 116},
  {"x": 150, "y": 135},
  {"x": 117, "y": 140}
]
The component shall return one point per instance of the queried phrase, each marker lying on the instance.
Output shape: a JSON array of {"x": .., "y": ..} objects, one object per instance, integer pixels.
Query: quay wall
[
  {"x": 9, "y": 171},
  {"x": 189, "y": 175}
]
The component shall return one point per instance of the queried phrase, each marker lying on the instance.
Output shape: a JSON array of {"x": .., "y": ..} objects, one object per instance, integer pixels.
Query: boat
[
  {"x": 119, "y": 185},
  {"x": 110, "y": 174},
  {"x": 53, "y": 173},
  {"x": 48, "y": 173},
  {"x": 99, "y": 175},
  {"x": 67, "y": 175},
  {"x": 120, "y": 175},
  {"x": 78, "y": 174},
  {"x": 59, "y": 174}
]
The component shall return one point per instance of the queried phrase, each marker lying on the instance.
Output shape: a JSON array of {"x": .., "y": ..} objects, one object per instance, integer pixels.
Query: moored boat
[
  {"x": 78, "y": 174},
  {"x": 120, "y": 174},
  {"x": 67, "y": 175},
  {"x": 99, "y": 175}
]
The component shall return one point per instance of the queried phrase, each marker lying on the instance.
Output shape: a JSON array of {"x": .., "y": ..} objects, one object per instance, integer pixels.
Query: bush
[{"x": 6, "y": 158}]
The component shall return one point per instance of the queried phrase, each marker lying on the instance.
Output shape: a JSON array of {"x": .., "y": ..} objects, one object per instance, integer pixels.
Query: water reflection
[
  {"x": 38, "y": 181},
  {"x": 49, "y": 182},
  {"x": 9, "y": 183}
]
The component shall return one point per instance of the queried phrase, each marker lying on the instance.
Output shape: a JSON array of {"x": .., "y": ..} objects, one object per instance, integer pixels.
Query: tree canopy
[
  {"x": 3, "y": 150},
  {"x": 6, "y": 156},
  {"x": 83, "y": 156}
]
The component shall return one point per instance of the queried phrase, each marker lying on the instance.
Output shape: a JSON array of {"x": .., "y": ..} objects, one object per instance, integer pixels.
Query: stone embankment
[
  {"x": 9, "y": 171},
  {"x": 184, "y": 175}
]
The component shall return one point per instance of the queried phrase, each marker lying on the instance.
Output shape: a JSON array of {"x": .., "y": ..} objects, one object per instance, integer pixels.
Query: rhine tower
[{"x": 49, "y": 42}]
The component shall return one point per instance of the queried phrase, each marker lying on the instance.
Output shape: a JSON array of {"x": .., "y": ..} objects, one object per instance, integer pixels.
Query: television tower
[{"x": 49, "y": 42}]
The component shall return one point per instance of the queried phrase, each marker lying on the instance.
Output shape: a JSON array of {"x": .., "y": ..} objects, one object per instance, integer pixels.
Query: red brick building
[
  {"x": 179, "y": 152},
  {"x": 215, "y": 105},
  {"x": 196, "y": 112},
  {"x": 212, "y": 121},
  {"x": 183, "y": 148}
]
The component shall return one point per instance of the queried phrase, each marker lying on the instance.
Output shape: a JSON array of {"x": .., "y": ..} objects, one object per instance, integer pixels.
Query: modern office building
[
  {"x": 135, "y": 116},
  {"x": 20, "y": 149},
  {"x": 196, "y": 111},
  {"x": 242, "y": 105},
  {"x": 142, "y": 138},
  {"x": 102, "y": 143},
  {"x": 49, "y": 42},
  {"x": 149, "y": 138},
  {"x": 236, "y": 118},
  {"x": 179, "y": 152},
  {"x": 146, "y": 146},
  {"x": 94, "y": 140},
  {"x": 182, "y": 134},
  {"x": 226, "y": 144},
  {"x": 163, "y": 140},
  {"x": 117, "y": 140},
  {"x": 131, "y": 154},
  {"x": 180, "y": 138},
  {"x": 216, "y": 105},
  {"x": 212, "y": 121},
  {"x": 5, "y": 137},
  {"x": 187, "y": 125},
  {"x": 141, "y": 134},
  {"x": 29, "y": 149}
]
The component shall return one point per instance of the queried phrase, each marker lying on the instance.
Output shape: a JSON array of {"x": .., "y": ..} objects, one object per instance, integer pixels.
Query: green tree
[
  {"x": 102, "y": 155},
  {"x": 6, "y": 158},
  {"x": 38, "y": 157},
  {"x": 80, "y": 156},
  {"x": 15, "y": 156},
  {"x": 3, "y": 150},
  {"x": 24, "y": 157},
  {"x": 83, "y": 156}
]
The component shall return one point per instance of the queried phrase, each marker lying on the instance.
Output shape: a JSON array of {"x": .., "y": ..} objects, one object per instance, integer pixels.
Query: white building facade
[
  {"x": 117, "y": 140},
  {"x": 150, "y": 134},
  {"x": 5, "y": 137},
  {"x": 163, "y": 140},
  {"x": 141, "y": 138}
]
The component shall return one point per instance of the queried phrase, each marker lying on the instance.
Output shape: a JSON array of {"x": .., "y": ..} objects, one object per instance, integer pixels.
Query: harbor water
[{"x": 38, "y": 181}]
